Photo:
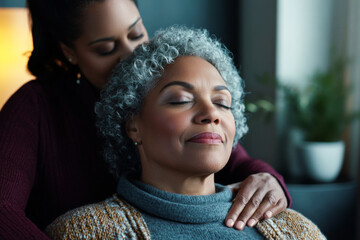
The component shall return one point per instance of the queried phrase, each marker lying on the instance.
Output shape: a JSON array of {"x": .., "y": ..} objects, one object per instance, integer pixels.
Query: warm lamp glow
[{"x": 15, "y": 46}]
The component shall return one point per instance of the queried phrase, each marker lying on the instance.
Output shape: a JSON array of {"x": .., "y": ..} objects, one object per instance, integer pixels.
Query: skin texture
[
  {"x": 190, "y": 99},
  {"x": 111, "y": 31}
]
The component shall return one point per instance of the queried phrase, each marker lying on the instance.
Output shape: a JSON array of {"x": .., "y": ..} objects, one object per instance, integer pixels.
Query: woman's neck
[{"x": 176, "y": 182}]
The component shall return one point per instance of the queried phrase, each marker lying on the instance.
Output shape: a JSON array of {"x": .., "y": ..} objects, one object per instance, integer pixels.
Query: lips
[{"x": 206, "y": 138}]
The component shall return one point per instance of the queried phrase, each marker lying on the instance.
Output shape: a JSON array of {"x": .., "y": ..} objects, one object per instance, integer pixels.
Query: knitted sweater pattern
[
  {"x": 114, "y": 218},
  {"x": 177, "y": 216}
]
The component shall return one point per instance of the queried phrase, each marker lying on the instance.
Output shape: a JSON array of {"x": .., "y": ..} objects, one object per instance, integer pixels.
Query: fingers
[
  {"x": 259, "y": 197},
  {"x": 247, "y": 215},
  {"x": 270, "y": 206},
  {"x": 275, "y": 209},
  {"x": 241, "y": 200}
]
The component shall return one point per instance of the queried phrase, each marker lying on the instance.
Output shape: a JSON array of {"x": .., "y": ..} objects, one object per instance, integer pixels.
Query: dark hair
[{"x": 52, "y": 22}]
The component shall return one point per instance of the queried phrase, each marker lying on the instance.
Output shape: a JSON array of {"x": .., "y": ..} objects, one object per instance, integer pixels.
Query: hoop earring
[{"x": 78, "y": 78}]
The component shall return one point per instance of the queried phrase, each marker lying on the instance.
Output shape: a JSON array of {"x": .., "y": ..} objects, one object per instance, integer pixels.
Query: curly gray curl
[{"x": 133, "y": 78}]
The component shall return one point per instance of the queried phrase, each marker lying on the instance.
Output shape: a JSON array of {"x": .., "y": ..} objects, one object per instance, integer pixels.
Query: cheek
[
  {"x": 229, "y": 125},
  {"x": 165, "y": 126},
  {"x": 96, "y": 70}
]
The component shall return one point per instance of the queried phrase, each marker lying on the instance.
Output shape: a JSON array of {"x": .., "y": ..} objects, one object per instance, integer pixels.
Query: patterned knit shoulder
[
  {"x": 113, "y": 218},
  {"x": 289, "y": 225}
]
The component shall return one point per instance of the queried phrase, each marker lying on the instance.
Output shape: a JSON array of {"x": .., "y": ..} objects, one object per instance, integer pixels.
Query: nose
[
  {"x": 127, "y": 49},
  {"x": 207, "y": 114}
]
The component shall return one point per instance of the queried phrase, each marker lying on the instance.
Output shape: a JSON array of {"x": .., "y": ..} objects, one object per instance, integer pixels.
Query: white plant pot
[{"x": 322, "y": 161}]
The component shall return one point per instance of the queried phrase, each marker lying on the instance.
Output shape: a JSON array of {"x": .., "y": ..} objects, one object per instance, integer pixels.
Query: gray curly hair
[{"x": 133, "y": 78}]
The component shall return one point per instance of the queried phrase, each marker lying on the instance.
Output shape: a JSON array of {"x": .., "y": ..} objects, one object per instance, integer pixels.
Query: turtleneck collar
[{"x": 176, "y": 207}]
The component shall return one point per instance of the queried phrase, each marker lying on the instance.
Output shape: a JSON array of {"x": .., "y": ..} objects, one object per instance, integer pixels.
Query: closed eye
[
  {"x": 179, "y": 102},
  {"x": 106, "y": 48},
  {"x": 135, "y": 38},
  {"x": 108, "y": 52},
  {"x": 223, "y": 106}
]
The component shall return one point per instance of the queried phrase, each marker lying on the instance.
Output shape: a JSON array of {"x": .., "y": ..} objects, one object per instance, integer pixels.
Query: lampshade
[{"x": 15, "y": 47}]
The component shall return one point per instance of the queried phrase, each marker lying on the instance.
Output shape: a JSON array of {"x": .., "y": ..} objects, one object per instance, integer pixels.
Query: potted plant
[{"x": 320, "y": 112}]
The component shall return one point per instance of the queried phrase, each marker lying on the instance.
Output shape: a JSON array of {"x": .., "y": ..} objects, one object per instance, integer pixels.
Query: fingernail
[
  {"x": 268, "y": 214},
  {"x": 251, "y": 222},
  {"x": 239, "y": 225},
  {"x": 229, "y": 223}
]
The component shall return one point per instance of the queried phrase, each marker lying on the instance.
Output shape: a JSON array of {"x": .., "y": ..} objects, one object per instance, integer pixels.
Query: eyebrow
[
  {"x": 180, "y": 83},
  {"x": 221, "y": 87},
  {"x": 113, "y": 38},
  {"x": 101, "y": 40},
  {"x": 191, "y": 87},
  {"x": 132, "y": 25}
]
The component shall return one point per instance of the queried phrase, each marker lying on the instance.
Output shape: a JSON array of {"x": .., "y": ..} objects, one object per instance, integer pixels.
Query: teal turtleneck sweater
[{"x": 176, "y": 216}]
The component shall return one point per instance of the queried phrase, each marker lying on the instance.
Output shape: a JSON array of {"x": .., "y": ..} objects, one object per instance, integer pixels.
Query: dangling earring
[{"x": 78, "y": 78}]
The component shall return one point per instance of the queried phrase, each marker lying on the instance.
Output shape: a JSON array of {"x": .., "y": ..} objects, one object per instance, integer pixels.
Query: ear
[
  {"x": 132, "y": 130},
  {"x": 69, "y": 53}
]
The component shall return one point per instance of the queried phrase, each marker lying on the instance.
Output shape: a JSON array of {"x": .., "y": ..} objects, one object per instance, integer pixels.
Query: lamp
[{"x": 15, "y": 47}]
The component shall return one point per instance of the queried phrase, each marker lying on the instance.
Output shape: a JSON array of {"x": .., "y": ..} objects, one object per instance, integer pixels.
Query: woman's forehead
[
  {"x": 108, "y": 18},
  {"x": 191, "y": 69}
]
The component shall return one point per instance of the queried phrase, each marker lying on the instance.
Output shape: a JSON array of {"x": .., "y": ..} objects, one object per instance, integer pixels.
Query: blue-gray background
[{"x": 12, "y": 3}]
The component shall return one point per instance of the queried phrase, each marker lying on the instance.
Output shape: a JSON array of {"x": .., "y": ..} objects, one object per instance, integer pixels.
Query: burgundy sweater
[{"x": 50, "y": 160}]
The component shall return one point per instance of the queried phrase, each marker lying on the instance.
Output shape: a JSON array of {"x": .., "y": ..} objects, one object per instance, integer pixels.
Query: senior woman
[{"x": 170, "y": 116}]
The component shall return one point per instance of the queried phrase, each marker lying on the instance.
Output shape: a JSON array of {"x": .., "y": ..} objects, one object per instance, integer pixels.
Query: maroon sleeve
[
  {"x": 241, "y": 165},
  {"x": 18, "y": 160}
]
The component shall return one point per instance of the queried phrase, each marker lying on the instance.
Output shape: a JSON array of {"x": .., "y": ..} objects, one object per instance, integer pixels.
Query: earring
[
  {"x": 78, "y": 78},
  {"x": 136, "y": 144},
  {"x": 70, "y": 59}
]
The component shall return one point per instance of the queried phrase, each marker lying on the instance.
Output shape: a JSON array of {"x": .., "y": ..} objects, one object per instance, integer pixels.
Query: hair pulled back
[{"x": 52, "y": 22}]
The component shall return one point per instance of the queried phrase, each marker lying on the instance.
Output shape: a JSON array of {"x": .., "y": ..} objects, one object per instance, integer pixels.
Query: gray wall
[
  {"x": 218, "y": 16},
  {"x": 257, "y": 57}
]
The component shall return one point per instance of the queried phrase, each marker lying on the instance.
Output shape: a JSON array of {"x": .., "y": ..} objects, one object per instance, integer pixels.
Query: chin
[{"x": 209, "y": 163}]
